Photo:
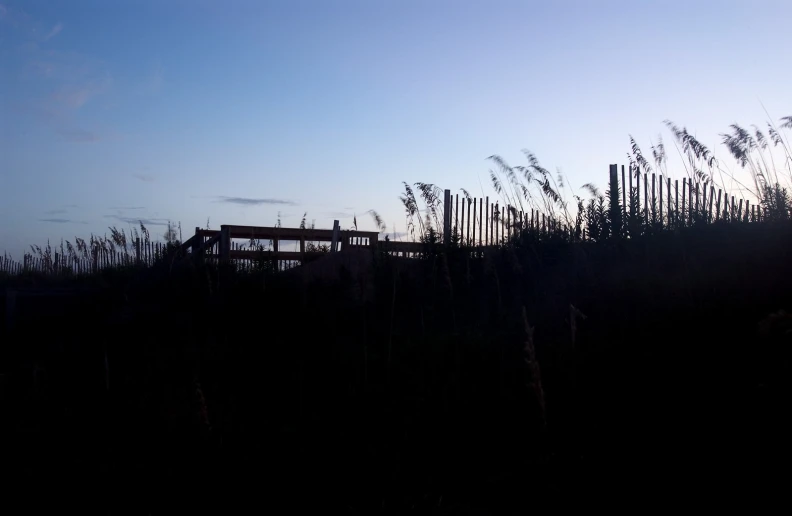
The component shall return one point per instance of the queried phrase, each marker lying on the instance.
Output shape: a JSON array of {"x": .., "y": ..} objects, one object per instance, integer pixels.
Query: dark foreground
[{"x": 650, "y": 371}]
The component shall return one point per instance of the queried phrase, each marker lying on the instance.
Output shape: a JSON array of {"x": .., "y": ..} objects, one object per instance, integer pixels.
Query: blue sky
[{"x": 234, "y": 111}]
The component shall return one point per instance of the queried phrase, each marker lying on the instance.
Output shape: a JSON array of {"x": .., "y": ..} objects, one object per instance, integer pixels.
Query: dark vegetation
[{"x": 646, "y": 364}]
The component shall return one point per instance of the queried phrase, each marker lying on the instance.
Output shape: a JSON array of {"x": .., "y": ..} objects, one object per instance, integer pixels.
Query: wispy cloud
[
  {"x": 63, "y": 221},
  {"x": 245, "y": 201},
  {"x": 144, "y": 177},
  {"x": 139, "y": 220},
  {"x": 77, "y": 135},
  {"x": 55, "y": 212},
  {"x": 54, "y": 32},
  {"x": 75, "y": 96},
  {"x": 340, "y": 215}
]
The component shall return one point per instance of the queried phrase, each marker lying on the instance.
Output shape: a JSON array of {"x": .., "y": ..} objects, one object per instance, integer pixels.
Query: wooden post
[
  {"x": 753, "y": 213},
  {"x": 630, "y": 193},
  {"x": 739, "y": 211},
  {"x": 703, "y": 215},
  {"x": 302, "y": 250},
  {"x": 508, "y": 231},
  {"x": 456, "y": 219},
  {"x": 624, "y": 194},
  {"x": 488, "y": 224},
  {"x": 660, "y": 196},
  {"x": 481, "y": 221},
  {"x": 709, "y": 209},
  {"x": 466, "y": 200},
  {"x": 718, "y": 205},
  {"x": 637, "y": 192},
  {"x": 646, "y": 198},
  {"x": 225, "y": 243},
  {"x": 676, "y": 202},
  {"x": 684, "y": 199},
  {"x": 654, "y": 199},
  {"x": 747, "y": 203},
  {"x": 468, "y": 220},
  {"x": 690, "y": 202},
  {"x": 474, "y": 222},
  {"x": 668, "y": 185},
  {"x": 447, "y": 217},
  {"x": 336, "y": 235},
  {"x": 696, "y": 212}
]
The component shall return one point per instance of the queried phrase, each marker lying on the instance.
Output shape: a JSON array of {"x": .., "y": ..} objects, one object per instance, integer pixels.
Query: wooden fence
[
  {"x": 646, "y": 203},
  {"x": 139, "y": 253}
]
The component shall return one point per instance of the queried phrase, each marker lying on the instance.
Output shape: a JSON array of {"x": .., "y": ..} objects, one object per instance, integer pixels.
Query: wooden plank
[
  {"x": 496, "y": 217},
  {"x": 684, "y": 200},
  {"x": 646, "y": 198},
  {"x": 631, "y": 196},
  {"x": 676, "y": 202},
  {"x": 703, "y": 212},
  {"x": 280, "y": 255},
  {"x": 488, "y": 217},
  {"x": 668, "y": 185},
  {"x": 711, "y": 198},
  {"x": 624, "y": 192},
  {"x": 739, "y": 211},
  {"x": 660, "y": 195},
  {"x": 637, "y": 192},
  {"x": 654, "y": 199},
  {"x": 718, "y": 205},
  {"x": 456, "y": 213},
  {"x": 747, "y": 203},
  {"x": 470, "y": 202},
  {"x": 447, "y": 217},
  {"x": 753, "y": 213},
  {"x": 690, "y": 202},
  {"x": 462, "y": 228},
  {"x": 481, "y": 221},
  {"x": 473, "y": 241}
]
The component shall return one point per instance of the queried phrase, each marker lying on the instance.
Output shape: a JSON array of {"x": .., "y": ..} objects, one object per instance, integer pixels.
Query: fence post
[
  {"x": 447, "y": 217},
  {"x": 225, "y": 243},
  {"x": 624, "y": 196},
  {"x": 488, "y": 223},
  {"x": 334, "y": 242}
]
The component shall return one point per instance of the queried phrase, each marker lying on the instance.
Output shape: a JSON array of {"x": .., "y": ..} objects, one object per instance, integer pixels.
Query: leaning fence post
[
  {"x": 334, "y": 242},
  {"x": 447, "y": 217}
]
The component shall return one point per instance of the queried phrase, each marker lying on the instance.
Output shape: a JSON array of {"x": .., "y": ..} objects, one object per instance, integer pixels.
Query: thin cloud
[
  {"x": 63, "y": 221},
  {"x": 139, "y": 220},
  {"x": 54, "y": 212},
  {"x": 54, "y": 32},
  {"x": 146, "y": 178},
  {"x": 245, "y": 201},
  {"x": 77, "y": 135},
  {"x": 75, "y": 97},
  {"x": 340, "y": 215}
]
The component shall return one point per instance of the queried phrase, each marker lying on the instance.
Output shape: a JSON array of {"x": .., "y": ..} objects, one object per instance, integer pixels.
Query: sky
[{"x": 231, "y": 112}]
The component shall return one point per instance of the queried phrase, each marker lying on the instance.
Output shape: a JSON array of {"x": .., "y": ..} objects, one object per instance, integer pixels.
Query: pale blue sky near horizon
[{"x": 113, "y": 112}]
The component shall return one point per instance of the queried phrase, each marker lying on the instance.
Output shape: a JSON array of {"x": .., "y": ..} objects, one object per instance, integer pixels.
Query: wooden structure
[
  {"x": 473, "y": 223},
  {"x": 275, "y": 243}
]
